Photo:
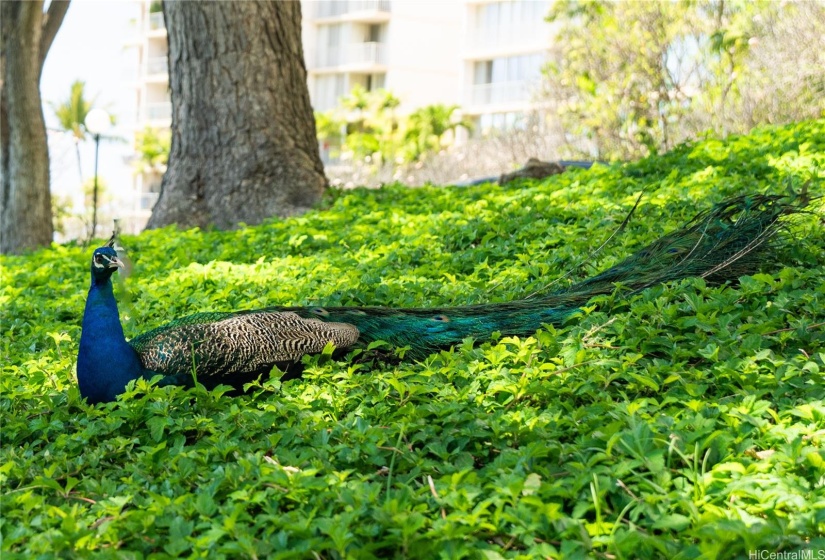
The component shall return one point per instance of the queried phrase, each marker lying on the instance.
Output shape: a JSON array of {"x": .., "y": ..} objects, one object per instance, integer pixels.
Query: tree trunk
[
  {"x": 243, "y": 133},
  {"x": 25, "y": 201}
]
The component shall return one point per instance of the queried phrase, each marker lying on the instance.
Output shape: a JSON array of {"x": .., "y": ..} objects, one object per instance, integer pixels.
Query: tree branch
[{"x": 52, "y": 20}]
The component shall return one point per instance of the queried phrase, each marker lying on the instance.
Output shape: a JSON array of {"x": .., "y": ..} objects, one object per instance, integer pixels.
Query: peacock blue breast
[{"x": 105, "y": 362}]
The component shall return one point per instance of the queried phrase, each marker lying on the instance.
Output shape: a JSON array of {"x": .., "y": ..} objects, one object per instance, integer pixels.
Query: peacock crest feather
[{"x": 232, "y": 348}]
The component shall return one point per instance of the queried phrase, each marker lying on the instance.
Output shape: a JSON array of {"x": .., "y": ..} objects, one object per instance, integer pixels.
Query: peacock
[{"x": 233, "y": 348}]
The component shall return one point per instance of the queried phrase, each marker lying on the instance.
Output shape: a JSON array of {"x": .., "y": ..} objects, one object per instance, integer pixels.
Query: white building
[
  {"x": 505, "y": 44},
  {"x": 407, "y": 47},
  {"x": 154, "y": 106},
  {"x": 483, "y": 55}
]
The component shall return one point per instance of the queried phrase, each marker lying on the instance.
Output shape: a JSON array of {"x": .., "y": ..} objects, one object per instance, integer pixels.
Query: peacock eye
[
  {"x": 441, "y": 319},
  {"x": 98, "y": 259},
  {"x": 320, "y": 311}
]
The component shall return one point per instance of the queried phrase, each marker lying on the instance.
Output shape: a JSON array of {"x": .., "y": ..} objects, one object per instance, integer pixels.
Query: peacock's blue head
[{"x": 104, "y": 262}]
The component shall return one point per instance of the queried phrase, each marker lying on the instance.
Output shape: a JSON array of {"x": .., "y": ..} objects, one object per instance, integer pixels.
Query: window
[
  {"x": 511, "y": 13},
  {"x": 369, "y": 82},
  {"x": 490, "y": 123},
  {"x": 483, "y": 72},
  {"x": 509, "y": 23},
  {"x": 373, "y": 82},
  {"x": 331, "y": 8},
  {"x": 375, "y": 34},
  {"x": 522, "y": 68},
  {"x": 327, "y": 91},
  {"x": 330, "y": 39}
]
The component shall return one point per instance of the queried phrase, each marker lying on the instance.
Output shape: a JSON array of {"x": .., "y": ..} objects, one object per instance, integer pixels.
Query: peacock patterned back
[{"x": 234, "y": 343}]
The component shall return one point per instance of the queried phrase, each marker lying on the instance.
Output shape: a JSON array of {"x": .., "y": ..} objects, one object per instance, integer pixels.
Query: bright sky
[{"x": 92, "y": 46}]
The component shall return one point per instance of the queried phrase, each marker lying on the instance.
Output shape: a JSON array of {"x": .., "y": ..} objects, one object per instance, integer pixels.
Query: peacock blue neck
[{"x": 105, "y": 361}]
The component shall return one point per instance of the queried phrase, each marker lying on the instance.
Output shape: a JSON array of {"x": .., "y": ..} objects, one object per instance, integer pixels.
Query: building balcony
[
  {"x": 486, "y": 39},
  {"x": 159, "y": 111},
  {"x": 156, "y": 22},
  {"x": 498, "y": 93},
  {"x": 351, "y": 10},
  {"x": 157, "y": 65},
  {"x": 357, "y": 56}
]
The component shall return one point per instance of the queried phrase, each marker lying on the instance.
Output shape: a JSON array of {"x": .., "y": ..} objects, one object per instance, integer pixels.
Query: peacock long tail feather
[{"x": 721, "y": 244}]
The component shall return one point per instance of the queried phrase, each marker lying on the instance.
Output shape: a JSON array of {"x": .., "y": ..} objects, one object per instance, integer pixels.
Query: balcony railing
[
  {"x": 502, "y": 37},
  {"x": 157, "y": 65},
  {"x": 159, "y": 111},
  {"x": 501, "y": 92},
  {"x": 156, "y": 21},
  {"x": 355, "y": 54},
  {"x": 335, "y": 8}
]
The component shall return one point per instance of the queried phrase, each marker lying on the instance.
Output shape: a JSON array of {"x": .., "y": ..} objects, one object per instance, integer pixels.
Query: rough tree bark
[
  {"x": 243, "y": 133},
  {"x": 25, "y": 202}
]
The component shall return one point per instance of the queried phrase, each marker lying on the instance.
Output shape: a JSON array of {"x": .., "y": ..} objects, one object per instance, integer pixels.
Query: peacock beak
[{"x": 115, "y": 262}]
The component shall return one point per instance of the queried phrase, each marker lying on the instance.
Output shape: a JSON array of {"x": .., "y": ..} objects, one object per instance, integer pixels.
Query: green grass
[{"x": 685, "y": 422}]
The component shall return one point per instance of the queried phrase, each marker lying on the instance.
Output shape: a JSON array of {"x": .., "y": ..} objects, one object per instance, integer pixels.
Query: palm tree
[
  {"x": 428, "y": 125},
  {"x": 372, "y": 124},
  {"x": 152, "y": 147},
  {"x": 71, "y": 114}
]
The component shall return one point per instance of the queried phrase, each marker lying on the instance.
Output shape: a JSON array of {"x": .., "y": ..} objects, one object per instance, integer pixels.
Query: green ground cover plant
[{"x": 686, "y": 421}]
